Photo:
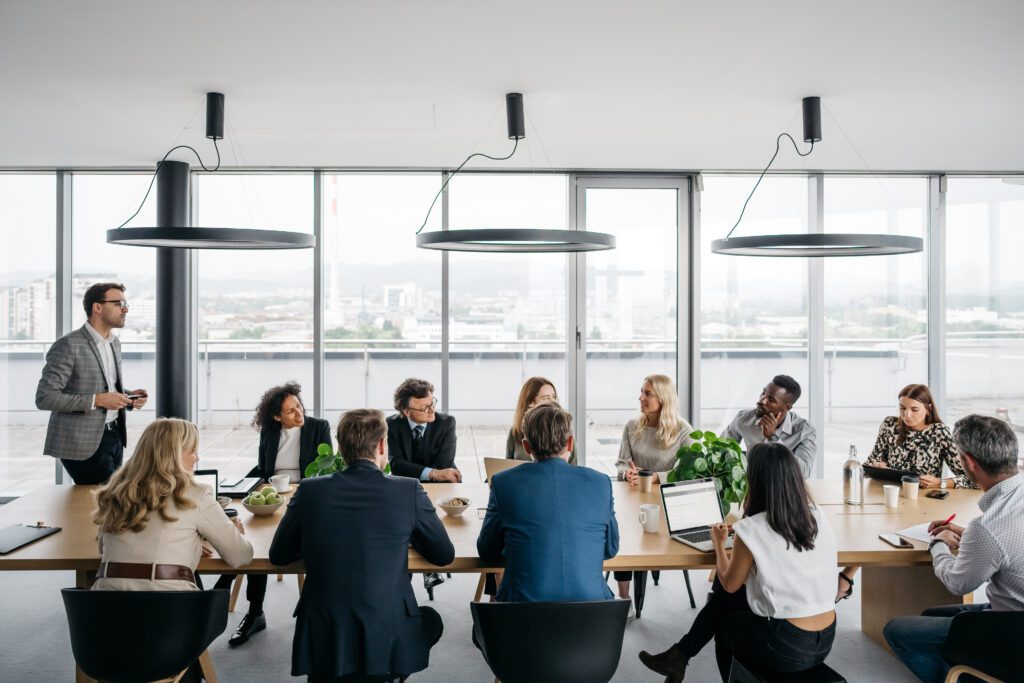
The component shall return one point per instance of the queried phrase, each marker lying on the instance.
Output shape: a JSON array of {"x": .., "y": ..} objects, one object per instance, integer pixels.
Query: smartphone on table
[
  {"x": 896, "y": 541},
  {"x": 939, "y": 494}
]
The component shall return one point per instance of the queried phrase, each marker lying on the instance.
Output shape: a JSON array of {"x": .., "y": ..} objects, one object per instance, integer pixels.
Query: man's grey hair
[{"x": 988, "y": 440}]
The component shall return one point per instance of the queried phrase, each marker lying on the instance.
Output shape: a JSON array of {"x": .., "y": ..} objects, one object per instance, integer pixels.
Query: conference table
[{"x": 894, "y": 582}]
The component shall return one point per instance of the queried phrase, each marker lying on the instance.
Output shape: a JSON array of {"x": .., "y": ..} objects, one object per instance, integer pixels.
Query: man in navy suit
[
  {"x": 357, "y": 618},
  {"x": 554, "y": 524}
]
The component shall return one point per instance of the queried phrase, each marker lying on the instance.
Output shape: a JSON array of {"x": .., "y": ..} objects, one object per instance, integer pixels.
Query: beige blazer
[{"x": 178, "y": 542}]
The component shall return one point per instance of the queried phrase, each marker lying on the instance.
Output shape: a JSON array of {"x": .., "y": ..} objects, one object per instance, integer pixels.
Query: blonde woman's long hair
[
  {"x": 669, "y": 422},
  {"x": 150, "y": 478}
]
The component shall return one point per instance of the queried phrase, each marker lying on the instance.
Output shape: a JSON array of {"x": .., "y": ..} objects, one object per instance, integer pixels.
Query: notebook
[{"x": 17, "y": 535}]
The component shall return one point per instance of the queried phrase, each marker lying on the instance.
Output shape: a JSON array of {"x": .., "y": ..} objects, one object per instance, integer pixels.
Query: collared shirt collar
[
  {"x": 413, "y": 425},
  {"x": 97, "y": 337},
  {"x": 1003, "y": 488}
]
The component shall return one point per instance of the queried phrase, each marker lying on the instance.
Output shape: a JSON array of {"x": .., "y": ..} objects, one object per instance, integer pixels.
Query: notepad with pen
[{"x": 17, "y": 535}]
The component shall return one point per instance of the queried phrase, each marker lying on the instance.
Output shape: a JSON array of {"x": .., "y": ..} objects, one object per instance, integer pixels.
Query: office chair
[
  {"x": 134, "y": 636},
  {"x": 551, "y": 642},
  {"x": 746, "y": 673},
  {"x": 985, "y": 645}
]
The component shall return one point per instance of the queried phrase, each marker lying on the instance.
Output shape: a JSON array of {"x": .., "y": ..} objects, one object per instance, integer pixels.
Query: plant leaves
[
  {"x": 700, "y": 465},
  {"x": 737, "y": 473},
  {"x": 324, "y": 449},
  {"x": 697, "y": 435}
]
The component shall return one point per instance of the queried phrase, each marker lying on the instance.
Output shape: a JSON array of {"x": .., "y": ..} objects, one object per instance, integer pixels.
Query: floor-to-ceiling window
[
  {"x": 28, "y": 319},
  {"x": 255, "y": 312},
  {"x": 754, "y": 310},
  {"x": 875, "y": 311},
  {"x": 984, "y": 298}
]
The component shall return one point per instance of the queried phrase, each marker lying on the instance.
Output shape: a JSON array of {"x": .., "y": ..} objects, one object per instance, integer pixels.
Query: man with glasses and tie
[
  {"x": 81, "y": 386},
  {"x": 421, "y": 442}
]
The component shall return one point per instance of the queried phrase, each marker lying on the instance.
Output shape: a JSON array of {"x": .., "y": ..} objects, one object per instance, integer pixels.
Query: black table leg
[{"x": 639, "y": 590}]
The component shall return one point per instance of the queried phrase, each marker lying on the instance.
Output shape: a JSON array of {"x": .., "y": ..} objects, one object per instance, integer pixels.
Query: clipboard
[{"x": 17, "y": 535}]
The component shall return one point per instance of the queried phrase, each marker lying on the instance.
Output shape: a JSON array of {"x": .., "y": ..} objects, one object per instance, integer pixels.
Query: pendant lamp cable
[
  {"x": 778, "y": 143},
  {"x": 452, "y": 175},
  {"x": 153, "y": 179}
]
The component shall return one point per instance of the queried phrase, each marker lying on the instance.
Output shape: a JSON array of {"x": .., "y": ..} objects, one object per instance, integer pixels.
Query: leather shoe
[
  {"x": 671, "y": 663},
  {"x": 249, "y": 625},
  {"x": 432, "y": 579}
]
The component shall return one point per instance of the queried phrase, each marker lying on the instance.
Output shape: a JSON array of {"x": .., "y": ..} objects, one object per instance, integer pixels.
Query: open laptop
[
  {"x": 691, "y": 507},
  {"x": 208, "y": 477},
  {"x": 236, "y": 486},
  {"x": 494, "y": 465}
]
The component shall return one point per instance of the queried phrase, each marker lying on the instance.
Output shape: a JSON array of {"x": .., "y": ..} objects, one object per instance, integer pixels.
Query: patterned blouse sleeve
[
  {"x": 880, "y": 453},
  {"x": 948, "y": 453}
]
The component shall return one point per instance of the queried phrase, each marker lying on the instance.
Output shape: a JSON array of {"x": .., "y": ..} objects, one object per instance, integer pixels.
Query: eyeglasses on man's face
[
  {"x": 429, "y": 408},
  {"x": 121, "y": 303}
]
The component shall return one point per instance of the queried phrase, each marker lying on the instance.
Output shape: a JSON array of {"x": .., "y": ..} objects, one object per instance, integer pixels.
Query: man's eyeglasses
[
  {"x": 122, "y": 303},
  {"x": 426, "y": 409}
]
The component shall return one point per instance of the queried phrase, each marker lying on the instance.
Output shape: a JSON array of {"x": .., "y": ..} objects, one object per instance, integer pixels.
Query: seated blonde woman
[{"x": 152, "y": 512}]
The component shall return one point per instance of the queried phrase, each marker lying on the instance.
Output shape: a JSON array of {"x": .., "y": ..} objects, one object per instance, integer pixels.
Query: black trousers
[
  {"x": 433, "y": 629},
  {"x": 774, "y": 644},
  {"x": 255, "y": 589},
  {"x": 98, "y": 467}
]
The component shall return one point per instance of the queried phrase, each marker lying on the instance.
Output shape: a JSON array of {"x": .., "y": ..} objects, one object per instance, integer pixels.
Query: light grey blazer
[{"x": 73, "y": 374}]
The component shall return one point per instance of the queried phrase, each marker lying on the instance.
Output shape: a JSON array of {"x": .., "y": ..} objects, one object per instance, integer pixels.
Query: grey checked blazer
[{"x": 72, "y": 375}]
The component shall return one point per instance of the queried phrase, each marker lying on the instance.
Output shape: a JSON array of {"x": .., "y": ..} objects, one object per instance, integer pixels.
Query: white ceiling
[{"x": 915, "y": 84}]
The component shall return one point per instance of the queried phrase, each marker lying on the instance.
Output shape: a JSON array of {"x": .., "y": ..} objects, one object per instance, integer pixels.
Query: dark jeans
[
  {"x": 917, "y": 641},
  {"x": 774, "y": 644},
  {"x": 101, "y": 464},
  {"x": 255, "y": 589},
  {"x": 433, "y": 629}
]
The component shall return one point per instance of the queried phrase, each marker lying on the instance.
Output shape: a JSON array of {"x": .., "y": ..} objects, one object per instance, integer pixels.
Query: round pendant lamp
[
  {"x": 509, "y": 240},
  {"x": 814, "y": 244},
  {"x": 176, "y": 234}
]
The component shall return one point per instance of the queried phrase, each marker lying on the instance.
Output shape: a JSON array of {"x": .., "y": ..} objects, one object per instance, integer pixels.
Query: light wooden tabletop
[{"x": 857, "y": 529}]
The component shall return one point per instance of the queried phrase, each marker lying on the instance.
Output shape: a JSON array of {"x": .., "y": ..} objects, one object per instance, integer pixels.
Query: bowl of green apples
[{"x": 263, "y": 501}]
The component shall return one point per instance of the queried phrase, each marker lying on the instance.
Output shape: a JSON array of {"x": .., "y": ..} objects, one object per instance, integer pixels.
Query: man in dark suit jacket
[
  {"x": 285, "y": 429},
  {"x": 552, "y": 523},
  {"x": 421, "y": 441},
  {"x": 357, "y": 616},
  {"x": 81, "y": 385}
]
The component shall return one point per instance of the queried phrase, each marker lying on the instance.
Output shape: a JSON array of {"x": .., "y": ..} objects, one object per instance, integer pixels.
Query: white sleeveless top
[{"x": 787, "y": 583}]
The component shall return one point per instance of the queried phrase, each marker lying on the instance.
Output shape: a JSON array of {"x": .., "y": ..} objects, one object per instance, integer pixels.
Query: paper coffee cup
[{"x": 892, "y": 495}]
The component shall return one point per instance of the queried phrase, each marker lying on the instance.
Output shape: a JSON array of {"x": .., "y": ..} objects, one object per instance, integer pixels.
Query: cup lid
[{"x": 911, "y": 478}]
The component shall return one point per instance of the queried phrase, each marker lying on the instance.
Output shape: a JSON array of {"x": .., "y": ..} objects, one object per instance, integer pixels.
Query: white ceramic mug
[
  {"x": 649, "y": 517},
  {"x": 280, "y": 482},
  {"x": 892, "y": 495}
]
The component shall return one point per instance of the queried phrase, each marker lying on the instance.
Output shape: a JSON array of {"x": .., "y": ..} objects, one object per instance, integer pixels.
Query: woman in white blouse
[
  {"x": 650, "y": 442},
  {"x": 772, "y": 602},
  {"x": 153, "y": 516}
]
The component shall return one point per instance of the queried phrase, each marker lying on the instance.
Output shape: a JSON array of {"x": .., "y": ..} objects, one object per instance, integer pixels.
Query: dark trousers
[
  {"x": 774, "y": 644},
  {"x": 101, "y": 464},
  {"x": 255, "y": 589},
  {"x": 433, "y": 629},
  {"x": 917, "y": 641},
  {"x": 623, "y": 576}
]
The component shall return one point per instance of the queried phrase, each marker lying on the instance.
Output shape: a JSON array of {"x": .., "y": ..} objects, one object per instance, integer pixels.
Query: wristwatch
[
  {"x": 934, "y": 542},
  {"x": 942, "y": 483}
]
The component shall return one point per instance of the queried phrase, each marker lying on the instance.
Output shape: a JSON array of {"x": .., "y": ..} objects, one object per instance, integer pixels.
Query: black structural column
[{"x": 173, "y": 296}]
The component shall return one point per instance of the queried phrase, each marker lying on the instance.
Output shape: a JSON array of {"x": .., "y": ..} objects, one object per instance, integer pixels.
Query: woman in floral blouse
[{"x": 916, "y": 441}]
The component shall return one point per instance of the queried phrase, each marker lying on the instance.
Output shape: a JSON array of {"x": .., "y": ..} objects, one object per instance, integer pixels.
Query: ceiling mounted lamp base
[
  {"x": 515, "y": 241},
  {"x": 816, "y": 244},
  {"x": 210, "y": 238}
]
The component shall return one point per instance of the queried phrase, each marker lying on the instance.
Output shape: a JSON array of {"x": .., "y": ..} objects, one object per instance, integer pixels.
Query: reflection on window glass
[
  {"x": 507, "y": 311},
  {"x": 631, "y": 308},
  {"x": 753, "y": 318},
  {"x": 876, "y": 312},
  {"x": 28, "y": 322},
  {"x": 255, "y": 308},
  {"x": 984, "y": 298},
  {"x": 382, "y": 317},
  {"x": 101, "y": 202}
]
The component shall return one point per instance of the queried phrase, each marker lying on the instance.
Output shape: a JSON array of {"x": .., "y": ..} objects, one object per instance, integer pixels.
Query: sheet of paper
[{"x": 918, "y": 532}]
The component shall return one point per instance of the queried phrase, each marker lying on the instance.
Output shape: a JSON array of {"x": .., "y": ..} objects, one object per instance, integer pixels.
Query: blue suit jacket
[{"x": 554, "y": 525}]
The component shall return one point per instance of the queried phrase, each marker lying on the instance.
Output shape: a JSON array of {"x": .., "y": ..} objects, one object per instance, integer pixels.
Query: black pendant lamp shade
[
  {"x": 178, "y": 234},
  {"x": 510, "y": 240},
  {"x": 812, "y": 244}
]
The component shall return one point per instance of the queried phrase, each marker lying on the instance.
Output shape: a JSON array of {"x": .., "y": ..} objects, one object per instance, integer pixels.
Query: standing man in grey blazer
[{"x": 82, "y": 387}]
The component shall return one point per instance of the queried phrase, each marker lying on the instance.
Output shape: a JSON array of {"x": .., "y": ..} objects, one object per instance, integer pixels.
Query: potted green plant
[
  {"x": 720, "y": 458},
  {"x": 328, "y": 462}
]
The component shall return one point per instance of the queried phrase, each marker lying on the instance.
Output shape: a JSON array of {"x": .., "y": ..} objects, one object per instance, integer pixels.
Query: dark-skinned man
[{"x": 773, "y": 420}]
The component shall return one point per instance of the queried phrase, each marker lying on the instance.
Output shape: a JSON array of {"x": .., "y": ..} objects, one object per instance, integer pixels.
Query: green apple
[
  {"x": 257, "y": 499},
  {"x": 268, "y": 491}
]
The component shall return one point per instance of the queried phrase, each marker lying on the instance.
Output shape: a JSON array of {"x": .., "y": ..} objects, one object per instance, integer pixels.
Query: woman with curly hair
[{"x": 153, "y": 516}]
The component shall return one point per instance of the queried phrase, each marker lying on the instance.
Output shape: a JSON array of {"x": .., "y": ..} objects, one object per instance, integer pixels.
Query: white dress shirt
[{"x": 106, "y": 348}]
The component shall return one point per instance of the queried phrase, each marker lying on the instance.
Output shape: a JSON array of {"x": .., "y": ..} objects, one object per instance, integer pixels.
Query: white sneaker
[{"x": 632, "y": 609}]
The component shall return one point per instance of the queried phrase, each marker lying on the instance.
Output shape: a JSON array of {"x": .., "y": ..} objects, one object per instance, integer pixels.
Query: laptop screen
[
  {"x": 208, "y": 477},
  {"x": 691, "y": 504}
]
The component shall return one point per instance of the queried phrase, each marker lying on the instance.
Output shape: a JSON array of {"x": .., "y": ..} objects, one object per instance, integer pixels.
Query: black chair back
[
  {"x": 538, "y": 642},
  {"x": 987, "y": 641},
  {"x": 142, "y": 635}
]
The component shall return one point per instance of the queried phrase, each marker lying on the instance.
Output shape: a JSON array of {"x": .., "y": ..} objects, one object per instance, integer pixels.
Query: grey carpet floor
[{"x": 34, "y": 643}]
